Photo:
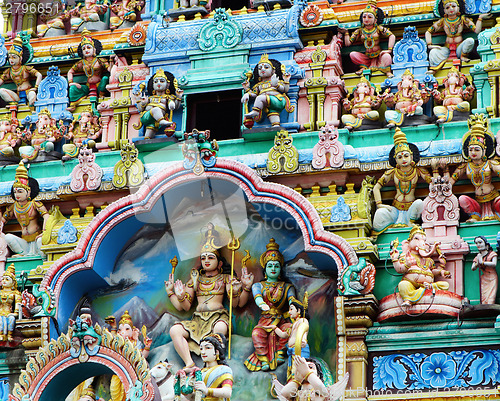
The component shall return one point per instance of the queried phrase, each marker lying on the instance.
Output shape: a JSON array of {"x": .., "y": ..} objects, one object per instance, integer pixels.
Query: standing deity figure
[
  {"x": 20, "y": 74},
  {"x": 84, "y": 130},
  {"x": 10, "y": 304},
  {"x": 454, "y": 96},
  {"x": 8, "y": 136},
  {"x": 88, "y": 11},
  {"x": 270, "y": 86},
  {"x": 453, "y": 22},
  {"x": 215, "y": 381},
  {"x": 125, "y": 10},
  {"x": 163, "y": 95},
  {"x": 273, "y": 297},
  {"x": 486, "y": 261},
  {"x": 407, "y": 101},
  {"x": 94, "y": 68},
  {"x": 26, "y": 211},
  {"x": 405, "y": 173},
  {"x": 370, "y": 33},
  {"x": 478, "y": 150},
  {"x": 363, "y": 105},
  {"x": 208, "y": 283},
  {"x": 417, "y": 266}
]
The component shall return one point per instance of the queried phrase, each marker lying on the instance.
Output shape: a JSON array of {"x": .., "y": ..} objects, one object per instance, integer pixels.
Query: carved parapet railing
[
  {"x": 321, "y": 89},
  {"x": 354, "y": 315},
  {"x": 348, "y": 215}
]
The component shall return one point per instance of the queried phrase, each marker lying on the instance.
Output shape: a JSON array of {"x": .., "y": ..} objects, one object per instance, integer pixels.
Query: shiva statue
[
  {"x": 405, "y": 173},
  {"x": 94, "y": 68},
  {"x": 418, "y": 267},
  {"x": 26, "y": 211},
  {"x": 453, "y": 22},
  {"x": 486, "y": 261},
  {"x": 273, "y": 296},
  {"x": 455, "y": 96},
  {"x": 370, "y": 33},
  {"x": 363, "y": 106},
  {"x": 163, "y": 95},
  {"x": 480, "y": 168},
  {"x": 270, "y": 86},
  {"x": 20, "y": 74},
  {"x": 10, "y": 304},
  {"x": 208, "y": 284}
]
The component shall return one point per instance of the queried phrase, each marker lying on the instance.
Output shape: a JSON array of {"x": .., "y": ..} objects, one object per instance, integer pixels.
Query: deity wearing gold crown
[
  {"x": 95, "y": 70},
  {"x": 128, "y": 331},
  {"x": 478, "y": 150},
  {"x": 87, "y": 12},
  {"x": 273, "y": 296},
  {"x": 8, "y": 136},
  {"x": 455, "y": 96},
  {"x": 405, "y": 173},
  {"x": 84, "y": 130},
  {"x": 370, "y": 34},
  {"x": 162, "y": 97},
  {"x": 270, "y": 86},
  {"x": 10, "y": 304},
  {"x": 363, "y": 105},
  {"x": 21, "y": 75},
  {"x": 407, "y": 101},
  {"x": 418, "y": 267},
  {"x": 26, "y": 211},
  {"x": 208, "y": 284},
  {"x": 453, "y": 22}
]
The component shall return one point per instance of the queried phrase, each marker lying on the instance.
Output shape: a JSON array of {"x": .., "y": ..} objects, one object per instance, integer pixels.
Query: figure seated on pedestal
[
  {"x": 478, "y": 150},
  {"x": 405, "y": 208},
  {"x": 407, "y": 102},
  {"x": 8, "y": 138},
  {"x": 418, "y": 268},
  {"x": 83, "y": 131},
  {"x": 88, "y": 12},
  {"x": 126, "y": 13},
  {"x": 454, "y": 97},
  {"x": 362, "y": 107},
  {"x": 453, "y": 22}
]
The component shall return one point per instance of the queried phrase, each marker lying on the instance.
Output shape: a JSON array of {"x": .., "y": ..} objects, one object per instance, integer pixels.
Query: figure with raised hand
[
  {"x": 486, "y": 262},
  {"x": 10, "y": 304}
]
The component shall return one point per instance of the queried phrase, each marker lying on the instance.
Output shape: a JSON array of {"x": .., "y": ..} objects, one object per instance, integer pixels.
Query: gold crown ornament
[
  {"x": 126, "y": 319},
  {"x": 416, "y": 230},
  {"x": 445, "y": 2},
  {"x": 304, "y": 302},
  {"x": 160, "y": 73},
  {"x": 408, "y": 73},
  {"x": 21, "y": 179},
  {"x": 89, "y": 392},
  {"x": 86, "y": 38},
  {"x": 17, "y": 47},
  {"x": 11, "y": 272},
  {"x": 265, "y": 59},
  {"x": 45, "y": 111},
  {"x": 210, "y": 245},
  {"x": 400, "y": 142},
  {"x": 272, "y": 253},
  {"x": 371, "y": 7}
]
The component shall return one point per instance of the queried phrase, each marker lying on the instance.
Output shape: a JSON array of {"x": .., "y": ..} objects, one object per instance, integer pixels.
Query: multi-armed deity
[
  {"x": 163, "y": 95},
  {"x": 26, "y": 211},
  {"x": 418, "y": 267},
  {"x": 370, "y": 33},
  {"x": 407, "y": 101},
  {"x": 83, "y": 131},
  {"x": 453, "y": 22},
  {"x": 94, "y": 68},
  {"x": 272, "y": 296},
  {"x": 126, "y": 13},
  {"x": 268, "y": 87},
  {"x": 21, "y": 75},
  {"x": 455, "y": 96},
  {"x": 10, "y": 304},
  {"x": 208, "y": 283},
  {"x": 363, "y": 106},
  {"x": 87, "y": 12},
  {"x": 405, "y": 173},
  {"x": 478, "y": 150},
  {"x": 8, "y": 135}
]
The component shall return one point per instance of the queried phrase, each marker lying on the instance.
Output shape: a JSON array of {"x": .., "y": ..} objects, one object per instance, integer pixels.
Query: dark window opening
[
  {"x": 219, "y": 112},
  {"x": 232, "y": 4}
]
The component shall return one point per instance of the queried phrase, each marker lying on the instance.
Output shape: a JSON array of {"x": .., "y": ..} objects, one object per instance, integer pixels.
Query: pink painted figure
[
  {"x": 478, "y": 150},
  {"x": 89, "y": 11},
  {"x": 128, "y": 331},
  {"x": 86, "y": 175},
  {"x": 328, "y": 151},
  {"x": 8, "y": 137},
  {"x": 84, "y": 130},
  {"x": 362, "y": 106},
  {"x": 407, "y": 101},
  {"x": 453, "y": 22},
  {"x": 125, "y": 10},
  {"x": 370, "y": 33},
  {"x": 486, "y": 261},
  {"x": 417, "y": 266},
  {"x": 454, "y": 96}
]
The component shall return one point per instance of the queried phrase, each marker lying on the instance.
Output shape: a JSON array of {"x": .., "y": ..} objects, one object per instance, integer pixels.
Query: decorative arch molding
[
  {"x": 87, "y": 252},
  {"x": 66, "y": 362}
]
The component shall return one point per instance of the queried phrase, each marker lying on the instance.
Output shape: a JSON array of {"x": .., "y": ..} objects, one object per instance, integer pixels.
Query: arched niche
[{"x": 158, "y": 201}]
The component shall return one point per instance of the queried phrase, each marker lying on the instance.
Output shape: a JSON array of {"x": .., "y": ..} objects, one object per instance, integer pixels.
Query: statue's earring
[{"x": 484, "y": 158}]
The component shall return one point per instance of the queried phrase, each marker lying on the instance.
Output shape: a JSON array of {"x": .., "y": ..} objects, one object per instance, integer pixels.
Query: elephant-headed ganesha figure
[
  {"x": 418, "y": 267},
  {"x": 362, "y": 107}
]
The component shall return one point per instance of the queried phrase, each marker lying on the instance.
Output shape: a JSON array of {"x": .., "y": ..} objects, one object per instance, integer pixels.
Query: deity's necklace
[
  {"x": 23, "y": 213},
  {"x": 405, "y": 179},
  {"x": 268, "y": 286},
  {"x": 453, "y": 25},
  {"x": 477, "y": 172},
  {"x": 89, "y": 67},
  {"x": 369, "y": 40}
]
